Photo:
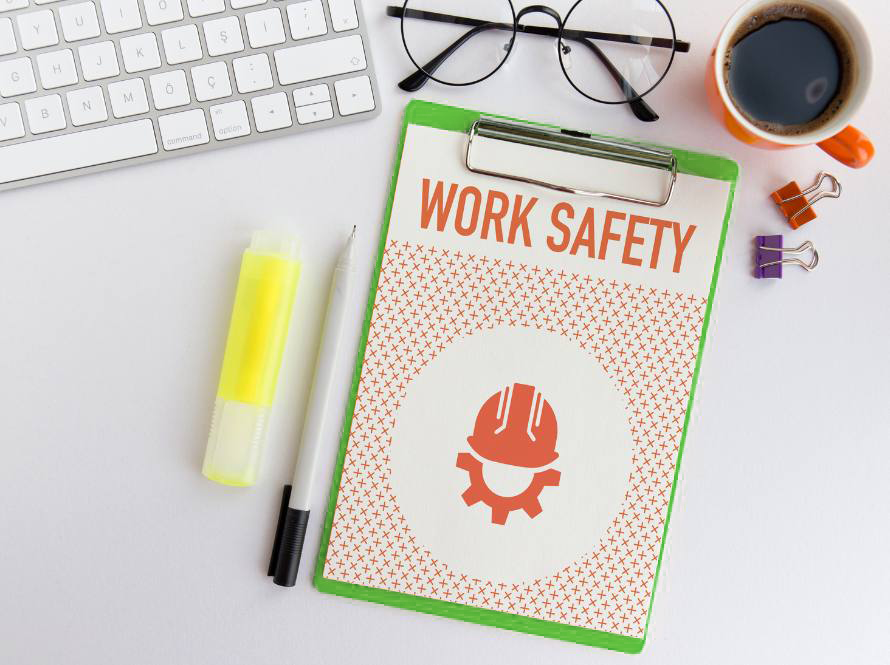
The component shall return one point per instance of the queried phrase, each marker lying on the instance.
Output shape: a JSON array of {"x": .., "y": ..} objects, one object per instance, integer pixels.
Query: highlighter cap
[{"x": 258, "y": 330}]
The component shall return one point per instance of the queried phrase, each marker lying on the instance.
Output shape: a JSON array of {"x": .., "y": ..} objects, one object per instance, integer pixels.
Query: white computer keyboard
[{"x": 93, "y": 84}]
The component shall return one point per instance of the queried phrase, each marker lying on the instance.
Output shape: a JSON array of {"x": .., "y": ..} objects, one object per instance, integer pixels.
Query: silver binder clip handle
[{"x": 577, "y": 143}]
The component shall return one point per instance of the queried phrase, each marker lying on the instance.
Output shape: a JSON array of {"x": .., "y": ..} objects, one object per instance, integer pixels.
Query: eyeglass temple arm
[
  {"x": 639, "y": 106},
  {"x": 418, "y": 79},
  {"x": 661, "y": 42}
]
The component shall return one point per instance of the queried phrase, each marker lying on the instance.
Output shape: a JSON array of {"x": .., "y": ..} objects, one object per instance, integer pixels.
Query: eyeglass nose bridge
[{"x": 540, "y": 9}]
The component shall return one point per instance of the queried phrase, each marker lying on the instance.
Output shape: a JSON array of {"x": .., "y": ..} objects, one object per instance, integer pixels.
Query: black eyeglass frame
[{"x": 634, "y": 99}]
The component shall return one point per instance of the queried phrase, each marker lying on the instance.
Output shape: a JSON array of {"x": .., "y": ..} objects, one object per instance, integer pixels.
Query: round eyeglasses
[{"x": 611, "y": 51}]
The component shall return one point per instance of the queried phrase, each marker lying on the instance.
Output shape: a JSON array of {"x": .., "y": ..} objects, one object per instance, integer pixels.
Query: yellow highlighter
[{"x": 270, "y": 270}]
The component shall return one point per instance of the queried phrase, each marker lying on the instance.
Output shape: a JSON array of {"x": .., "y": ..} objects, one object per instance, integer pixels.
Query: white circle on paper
[{"x": 438, "y": 413}]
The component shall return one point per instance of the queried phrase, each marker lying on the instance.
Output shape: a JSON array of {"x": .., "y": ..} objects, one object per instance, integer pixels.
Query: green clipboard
[{"x": 462, "y": 121}]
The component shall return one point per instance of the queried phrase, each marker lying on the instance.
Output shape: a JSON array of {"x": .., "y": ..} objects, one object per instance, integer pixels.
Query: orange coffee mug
[{"x": 836, "y": 137}]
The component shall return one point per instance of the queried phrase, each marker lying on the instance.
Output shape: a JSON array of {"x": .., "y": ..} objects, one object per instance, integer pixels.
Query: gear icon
[
  {"x": 502, "y": 506},
  {"x": 516, "y": 426}
]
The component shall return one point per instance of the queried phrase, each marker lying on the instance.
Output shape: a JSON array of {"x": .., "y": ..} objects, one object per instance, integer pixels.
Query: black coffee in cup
[{"x": 789, "y": 68}]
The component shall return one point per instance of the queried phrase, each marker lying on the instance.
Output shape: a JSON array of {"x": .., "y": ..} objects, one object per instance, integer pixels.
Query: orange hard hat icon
[{"x": 516, "y": 426}]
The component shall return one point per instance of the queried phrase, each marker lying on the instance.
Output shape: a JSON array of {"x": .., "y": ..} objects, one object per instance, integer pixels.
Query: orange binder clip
[{"x": 794, "y": 204}]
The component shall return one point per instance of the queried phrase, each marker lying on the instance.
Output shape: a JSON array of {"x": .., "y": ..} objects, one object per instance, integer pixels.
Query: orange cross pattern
[{"x": 646, "y": 340}]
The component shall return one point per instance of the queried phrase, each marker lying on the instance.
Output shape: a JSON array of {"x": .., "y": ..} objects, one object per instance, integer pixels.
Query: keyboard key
[
  {"x": 264, "y": 28},
  {"x": 252, "y": 73},
  {"x": 211, "y": 81},
  {"x": 223, "y": 36},
  {"x": 16, "y": 77},
  {"x": 127, "y": 98},
  {"x": 354, "y": 95},
  {"x": 45, "y": 2},
  {"x": 183, "y": 130},
  {"x": 7, "y": 37},
  {"x": 78, "y": 150},
  {"x": 241, "y": 4},
  {"x": 37, "y": 29},
  {"x": 45, "y": 114},
  {"x": 315, "y": 113},
  {"x": 79, "y": 21},
  {"x": 229, "y": 120},
  {"x": 57, "y": 69},
  {"x": 204, "y": 7},
  {"x": 140, "y": 52},
  {"x": 320, "y": 59},
  {"x": 86, "y": 106},
  {"x": 343, "y": 15},
  {"x": 181, "y": 44},
  {"x": 9, "y": 5},
  {"x": 121, "y": 15},
  {"x": 158, "y": 12},
  {"x": 311, "y": 95},
  {"x": 306, "y": 19},
  {"x": 11, "y": 125},
  {"x": 170, "y": 90},
  {"x": 271, "y": 112},
  {"x": 98, "y": 61}
]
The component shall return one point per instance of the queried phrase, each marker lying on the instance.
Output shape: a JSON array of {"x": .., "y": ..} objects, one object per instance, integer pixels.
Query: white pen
[{"x": 324, "y": 404}]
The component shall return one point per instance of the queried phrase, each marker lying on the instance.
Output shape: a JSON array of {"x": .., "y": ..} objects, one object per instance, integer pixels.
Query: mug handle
[{"x": 850, "y": 147}]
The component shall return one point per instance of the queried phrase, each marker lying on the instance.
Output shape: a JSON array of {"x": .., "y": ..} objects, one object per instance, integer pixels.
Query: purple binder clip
[{"x": 770, "y": 256}]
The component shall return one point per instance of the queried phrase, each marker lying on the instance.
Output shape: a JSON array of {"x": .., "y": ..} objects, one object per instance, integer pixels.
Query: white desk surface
[{"x": 115, "y": 291}]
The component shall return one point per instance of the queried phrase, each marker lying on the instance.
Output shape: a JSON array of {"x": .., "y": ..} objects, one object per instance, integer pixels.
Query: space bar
[{"x": 76, "y": 151}]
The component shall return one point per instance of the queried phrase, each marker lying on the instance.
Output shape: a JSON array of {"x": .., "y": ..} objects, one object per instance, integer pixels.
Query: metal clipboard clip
[{"x": 578, "y": 143}]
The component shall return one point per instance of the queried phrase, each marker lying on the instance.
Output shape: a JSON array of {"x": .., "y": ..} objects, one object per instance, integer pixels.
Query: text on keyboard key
[
  {"x": 140, "y": 52},
  {"x": 271, "y": 112},
  {"x": 183, "y": 130},
  {"x": 45, "y": 114},
  {"x": 315, "y": 113},
  {"x": 86, "y": 106},
  {"x": 121, "y": 15},
  {"x": 75, "y": 151},
  {"x": 158, "y": 12},
  {"x": 211, "y": 81},
  {"x": 11, "y": 125},
  {"x": 354, "y": 95},
  {"x": 320, "y": 59},
  {"x": 311, "y": 95},
  {"x": 181, "y": 44},
  {"x": 264, "y": 28},
  {"x": 169, "y": 89},
  {"x": 98, "y": 61},
  {"x": 79, "y": 21},
  {"x": 128, "y": 98},
  {"x": 343, "y": 15},
  {"x": 223, "y": 36},
  {"x": 16, "y": 77},
  {"x": 37, "y": 29},
  {"x": 56, "y": 69},
  {"x": 306, "y": 19},
  {"x": 229, "y": 120},
  {"x": 252, "y": 73}
]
